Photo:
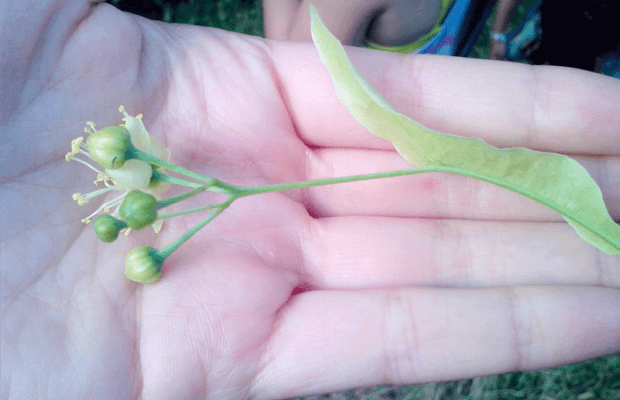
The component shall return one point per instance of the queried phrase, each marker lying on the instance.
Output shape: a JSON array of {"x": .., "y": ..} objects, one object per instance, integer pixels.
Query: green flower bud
[
  {"x": 107, "y": 227},
  {"x": 139, "y": 209},
  {"x": 143, "y": 265},
  {"x": 107, "y": 146}
]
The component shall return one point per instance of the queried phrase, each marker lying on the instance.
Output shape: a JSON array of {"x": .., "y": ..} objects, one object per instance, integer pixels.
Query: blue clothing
[{"x": 458, "y": 28}]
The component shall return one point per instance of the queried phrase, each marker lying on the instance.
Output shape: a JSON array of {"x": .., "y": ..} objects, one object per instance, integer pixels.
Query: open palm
[{"x": 402, "y": 280}]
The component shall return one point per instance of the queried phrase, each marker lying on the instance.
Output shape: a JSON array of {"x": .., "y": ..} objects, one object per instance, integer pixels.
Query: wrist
[{"x": 498, "y": 37}]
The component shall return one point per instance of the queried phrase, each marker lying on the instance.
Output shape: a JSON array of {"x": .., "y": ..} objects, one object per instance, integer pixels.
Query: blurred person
[
  {"x": 572, "y": 33},
  {"x": 499, "y": 30},
  {"x": 448, "y": 27}
]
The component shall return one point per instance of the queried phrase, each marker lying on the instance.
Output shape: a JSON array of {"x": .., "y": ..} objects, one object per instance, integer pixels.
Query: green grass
[
  {"x": 597, "y": 379},
  {"x": 243, "y": 16}
]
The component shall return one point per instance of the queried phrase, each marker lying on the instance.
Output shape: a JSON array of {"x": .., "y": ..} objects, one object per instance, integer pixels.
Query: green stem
[
  {"x": 236, "y": 192},
  {"x": 166, "y": 251},
  {"x": 214, "y": 184},
  {"x": 192, "y": 210},
  {"x": 218, "y": 186},
  {"x": 140, "y": 155},
  {"x": 171, "y": 200},
  {"x": 174, "y": 180},
  {"x": 248, "y": 191}
]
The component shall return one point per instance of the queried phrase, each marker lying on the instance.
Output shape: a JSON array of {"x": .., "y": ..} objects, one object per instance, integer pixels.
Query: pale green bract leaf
[{"x": 554, "y": 180}]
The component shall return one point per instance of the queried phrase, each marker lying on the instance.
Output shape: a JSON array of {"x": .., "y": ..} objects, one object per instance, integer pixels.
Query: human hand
[{"x": 403, "y": 280}]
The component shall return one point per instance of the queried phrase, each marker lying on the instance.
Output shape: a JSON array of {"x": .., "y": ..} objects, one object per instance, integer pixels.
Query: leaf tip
[
  {"x": 318, "y": 28},
  {"x": 315, "y": 22}
]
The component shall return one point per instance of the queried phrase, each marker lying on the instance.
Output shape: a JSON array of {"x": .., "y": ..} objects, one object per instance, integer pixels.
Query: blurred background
[
  {"x": 243, "y": 16},
  {"x": 597, "y": 379}
]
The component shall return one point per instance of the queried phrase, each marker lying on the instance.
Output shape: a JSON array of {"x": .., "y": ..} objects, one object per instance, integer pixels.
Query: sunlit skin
[{"x": 404, "y": 280}]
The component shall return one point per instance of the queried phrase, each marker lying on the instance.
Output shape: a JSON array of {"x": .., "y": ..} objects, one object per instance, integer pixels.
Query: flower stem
[
  {"x": 140, "y": 155},
  {"x": 215, "y": 185},
  {"x": 192, "y": 210},
  {"x": 236, "y": 192},
  {"x": 166, "y": 251},
  {"x": 248, "y": 191},
  {"x": 174, "y": 180},
  {"x": 171, "y": 200}
]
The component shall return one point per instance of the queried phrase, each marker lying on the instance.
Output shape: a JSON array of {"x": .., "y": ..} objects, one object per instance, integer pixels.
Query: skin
[
  {"x": 353, "y": 22},
  {"x": 503, "y": 15},
  {"x": 404, "y": 280}
]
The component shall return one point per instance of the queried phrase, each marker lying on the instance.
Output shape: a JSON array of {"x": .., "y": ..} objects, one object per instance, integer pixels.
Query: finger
[
  {"x": 375, "y": 252},
  {"x": 506, "y": 104},
  {"x": 432, "y": 195},
  {"x": 328, "y": 341}
]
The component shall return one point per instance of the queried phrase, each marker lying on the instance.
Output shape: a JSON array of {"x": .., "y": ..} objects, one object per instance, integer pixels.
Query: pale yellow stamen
[
  {"x": 107, "y": 205},
  {"x": 85, "y": 163},
  {"x": 103, "y": 178},
  {"x": 76, "y": 144},
  {"x": 75, "y": 148},
  {"x": 79, "y": 147},
  {"x": 88, "y": 128},
  {"x": 114, "y": 202},
  {"x": 99, "y": 179},
  {"x": 84, "y": 199},
  {"x": 81, "y": 199}
]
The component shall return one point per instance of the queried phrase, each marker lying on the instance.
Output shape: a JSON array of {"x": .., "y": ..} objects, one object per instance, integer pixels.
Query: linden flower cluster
[
  {"x": 130, "y": 161},
  {"x": 124, "y": 159},
  {"x": 120, "y": 175}
]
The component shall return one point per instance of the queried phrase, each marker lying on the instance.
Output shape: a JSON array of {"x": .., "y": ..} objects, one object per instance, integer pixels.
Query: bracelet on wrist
[{"x": 499, "y": 37}]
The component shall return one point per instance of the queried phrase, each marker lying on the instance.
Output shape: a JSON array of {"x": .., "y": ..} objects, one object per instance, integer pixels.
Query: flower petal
[
  {"x": 158, "y": 150},
  {"x": 160, "y": 188},
  {"x": 157, "y": 225},
  {"x": 133, "y": 175},
  {"x": 140, "y": 138}
]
